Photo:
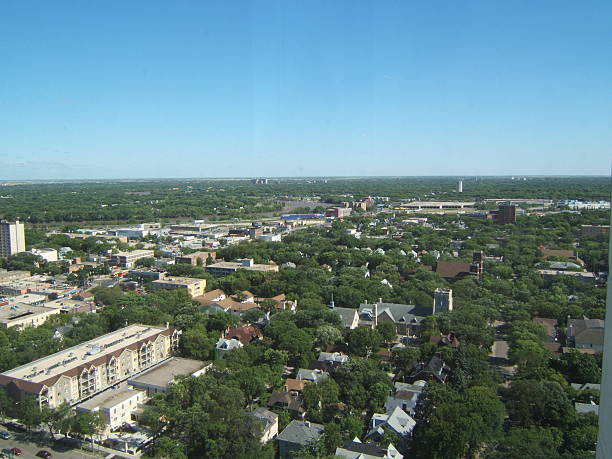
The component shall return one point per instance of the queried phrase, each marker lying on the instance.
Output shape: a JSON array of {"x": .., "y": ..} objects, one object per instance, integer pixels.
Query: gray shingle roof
[{"x": 301, "y": 432}]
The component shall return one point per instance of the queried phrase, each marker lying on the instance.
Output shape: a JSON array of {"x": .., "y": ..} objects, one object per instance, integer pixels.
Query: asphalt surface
[{"x": 30, "y": 447}]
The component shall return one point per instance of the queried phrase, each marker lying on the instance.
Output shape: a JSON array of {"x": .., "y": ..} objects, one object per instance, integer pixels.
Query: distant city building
[
  {"x": 454, "y": 270},
  {"x": 435, "y": 205},
  {"x": 12, "y": 238},
  {"x": 128, "y": 259},
  {"x": 460, "y": 186},
  {"x": 338, "y": 212},
  {"x": 195, "y": 287},
  {"x": 443, "y": 300},
  {"x": 260, "y": 181},
  {"x": 505, "y": 215},
  {"x": 21, "y": 315},
  {"x": 225, "y": 268},
  {"x": 47, "y": 254}
]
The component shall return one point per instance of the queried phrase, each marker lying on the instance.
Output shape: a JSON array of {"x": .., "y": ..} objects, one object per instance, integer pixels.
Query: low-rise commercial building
[
  {"x": 159, "y": 378},
  {"x": 128, "y": 259},
  {"x": 225, "y": 268},
  {"x": 115, "y": 406},
  {"x": 47, "y": 254},
  {"x": 82, "y": 371},
  {"x": 195, "y": 287},
  {"x": 21, "y": 315},
  {"x": 197, "y": 258}
]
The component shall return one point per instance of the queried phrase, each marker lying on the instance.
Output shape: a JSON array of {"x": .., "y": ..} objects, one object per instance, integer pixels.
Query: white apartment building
[
  {"x": 12, "y": 238},
  {"x": 80, "y": 372}
]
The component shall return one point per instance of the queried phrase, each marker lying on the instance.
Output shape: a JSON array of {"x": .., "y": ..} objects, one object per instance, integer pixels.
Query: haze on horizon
[{"x": 293, "y": 89}]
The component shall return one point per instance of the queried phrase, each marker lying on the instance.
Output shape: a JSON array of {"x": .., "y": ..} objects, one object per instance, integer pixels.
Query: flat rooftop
[
  {"x": 19, "y": 311},
  {"x": 109, "y": 398},
  {"x": 179, "y": 280},
  {"x": 238, "y": 265},
  {"x": 59, "y": 363},
  {"x": 132, "y": 253},
  {"x": 166, "y": 372}
]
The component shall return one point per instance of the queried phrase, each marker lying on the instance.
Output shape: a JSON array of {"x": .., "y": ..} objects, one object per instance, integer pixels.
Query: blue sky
[{"x": 118, "y": 89}]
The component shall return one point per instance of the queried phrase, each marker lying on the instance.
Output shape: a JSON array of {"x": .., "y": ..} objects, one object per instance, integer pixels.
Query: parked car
[
  {"x": 16, "y": 451},
  {"x": 44, "y": 454},
  {"x": 5, "y": 435}
]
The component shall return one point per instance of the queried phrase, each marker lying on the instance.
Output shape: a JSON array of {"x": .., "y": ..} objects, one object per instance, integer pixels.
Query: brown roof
[
  {"x": 209, "y": 296},
  {"x": 244, "y": 334},
  {"x": 294, "y": 384},
  {"x": 452, "y": 269},
  {"x": 228, "y": 302}
]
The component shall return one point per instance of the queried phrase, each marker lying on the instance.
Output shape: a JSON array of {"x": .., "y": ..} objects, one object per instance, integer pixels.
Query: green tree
[
  {"x": 363, "y": 341},
  {"x": 387, "y": 331}
]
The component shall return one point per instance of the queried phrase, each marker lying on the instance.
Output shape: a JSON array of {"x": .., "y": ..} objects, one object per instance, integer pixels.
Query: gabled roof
[
  {"x": 268, "y": 417},
  {"x": 347, "y": 316},
  {"x": 285, "y": 399},
  {"x": 301, "y": 432},
  {"x": 311, "y": 375},
  {"x": 244, "y": 334},
  {"x": 398, "y": 421}
]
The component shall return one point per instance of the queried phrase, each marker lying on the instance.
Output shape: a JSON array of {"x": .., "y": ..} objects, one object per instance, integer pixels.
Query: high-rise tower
[
  {"x": 12, "y": 238},
  {"x": 460, "y": 186},
  {"x": 604, "y": 442}
]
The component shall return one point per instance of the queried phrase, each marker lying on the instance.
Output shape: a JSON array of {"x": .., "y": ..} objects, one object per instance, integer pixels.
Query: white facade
[
  {"x": 49, "y": 255},
  {"x": 12, "y": 238},
  {"x": 115, "y": 406}
]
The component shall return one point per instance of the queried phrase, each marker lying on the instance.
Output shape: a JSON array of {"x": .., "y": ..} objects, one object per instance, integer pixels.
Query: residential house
[
  {"x": 435, "y": 369},
  {"x": 586, "y": 333},
  {"x": 407, "y": 318},
  {"x": 290, "y": 401},
  {"x": 397, "y": 421},
  {"x": 236, "y": 304},
  {"x": 244, "y": 334},
  {"x": 269, "y": 422},
  {"x": 224, "y": 346},
  {"x": 296, "y": 436},
  {"x": 348, "y": 316},
  {"x": 406, "y": 397},
  {"x": 295, "y": 385},
  {"x": 355, "y": 449},
  {"x": 445, "y": 340},
  {"x": 311, "y": 375}
]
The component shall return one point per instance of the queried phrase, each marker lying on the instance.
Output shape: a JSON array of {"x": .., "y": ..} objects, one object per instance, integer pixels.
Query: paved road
[{"x": 30, "y": 448}]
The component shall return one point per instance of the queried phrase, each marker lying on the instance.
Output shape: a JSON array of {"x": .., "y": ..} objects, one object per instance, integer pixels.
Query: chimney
[{"x": 375, "y": 314}]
